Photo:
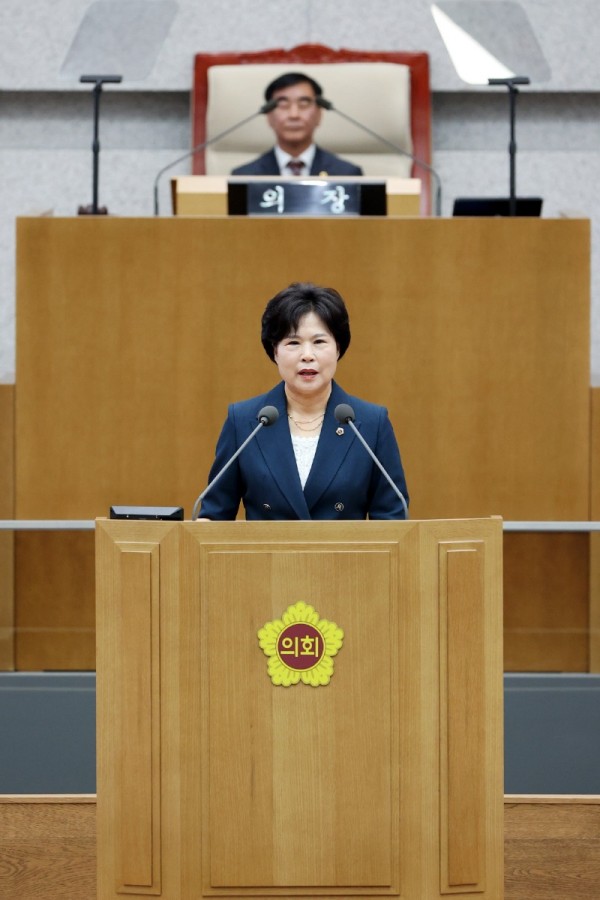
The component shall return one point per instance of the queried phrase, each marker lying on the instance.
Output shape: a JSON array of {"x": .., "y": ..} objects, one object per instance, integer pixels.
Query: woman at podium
[{"x": 309, "y": 462}]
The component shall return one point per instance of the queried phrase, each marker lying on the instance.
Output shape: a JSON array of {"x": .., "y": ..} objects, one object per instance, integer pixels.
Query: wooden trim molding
[{"x": 462, "y": 637}]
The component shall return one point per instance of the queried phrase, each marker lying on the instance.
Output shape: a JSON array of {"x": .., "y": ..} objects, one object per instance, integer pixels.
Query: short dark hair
[
  {"x": 284, "y": 311},
  {"x": 289, "y": 79}
]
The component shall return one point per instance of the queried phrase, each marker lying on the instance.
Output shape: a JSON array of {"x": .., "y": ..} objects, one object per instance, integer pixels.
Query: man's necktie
[{"x": 296, "y": 166}]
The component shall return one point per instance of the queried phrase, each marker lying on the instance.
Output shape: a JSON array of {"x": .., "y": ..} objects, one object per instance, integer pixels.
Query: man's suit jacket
[
  {"x": 323, "y": 162},
  {"x": 343, "y": 483}
]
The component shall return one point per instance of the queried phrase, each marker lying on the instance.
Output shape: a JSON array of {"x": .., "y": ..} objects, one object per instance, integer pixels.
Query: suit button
[
  {"x": 266, "y": 507},
  {"x": 339, "y": 506}
]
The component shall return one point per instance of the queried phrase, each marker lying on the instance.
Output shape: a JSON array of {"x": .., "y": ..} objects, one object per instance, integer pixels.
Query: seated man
[{"x": 294, "y": 120}]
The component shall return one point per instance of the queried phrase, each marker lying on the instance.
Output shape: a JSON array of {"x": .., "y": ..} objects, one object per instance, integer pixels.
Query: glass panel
[
  {"x": 47, "y": 603},
  {"x": 489, "y": 40},
  {"x": 551, "y": 588}
]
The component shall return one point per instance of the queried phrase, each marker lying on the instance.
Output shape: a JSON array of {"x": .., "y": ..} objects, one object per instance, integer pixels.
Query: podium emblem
[{"x": 300, "y": 646}]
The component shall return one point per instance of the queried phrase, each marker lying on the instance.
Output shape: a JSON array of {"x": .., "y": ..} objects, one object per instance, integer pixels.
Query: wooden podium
[{"x": 215, "y": 782}]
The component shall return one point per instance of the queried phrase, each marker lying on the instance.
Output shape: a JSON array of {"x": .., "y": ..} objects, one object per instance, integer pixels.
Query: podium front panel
[
  {"x": 308, "y": 800},
  {"x": 385, "y": 780}
]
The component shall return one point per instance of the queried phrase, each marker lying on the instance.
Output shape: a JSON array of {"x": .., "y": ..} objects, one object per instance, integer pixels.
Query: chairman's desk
[{"x": 133, "y": 335}]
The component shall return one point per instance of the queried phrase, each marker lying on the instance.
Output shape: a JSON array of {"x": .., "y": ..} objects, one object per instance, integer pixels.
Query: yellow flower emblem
[{"x": 300, "y": 646}]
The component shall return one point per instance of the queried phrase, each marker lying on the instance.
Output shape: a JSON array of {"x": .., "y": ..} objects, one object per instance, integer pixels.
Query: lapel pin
[{"x": 339, "y": 430}]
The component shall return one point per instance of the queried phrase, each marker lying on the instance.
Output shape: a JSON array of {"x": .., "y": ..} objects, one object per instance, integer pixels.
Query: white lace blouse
[{"x": 304, "y": 451}]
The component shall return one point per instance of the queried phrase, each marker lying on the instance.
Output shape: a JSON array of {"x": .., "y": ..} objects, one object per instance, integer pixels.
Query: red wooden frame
[{"x": 420, "y": 112}]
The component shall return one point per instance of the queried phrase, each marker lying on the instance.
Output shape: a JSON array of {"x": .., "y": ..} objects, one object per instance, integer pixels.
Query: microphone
[
  {"x": 510, "y": 82},
  {"x": 268, "y": 415},
  {"x": 327, "y": 104},
  {"x": 97, "y": 80},
  {"x": 100, "y": 79},
  {"x": 265, "y": 108},
  {"x": 345, "y": 415}
]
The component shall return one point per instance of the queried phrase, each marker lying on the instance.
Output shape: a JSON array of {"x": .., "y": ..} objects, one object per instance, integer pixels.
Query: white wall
[{"x": 46, "y": 115}]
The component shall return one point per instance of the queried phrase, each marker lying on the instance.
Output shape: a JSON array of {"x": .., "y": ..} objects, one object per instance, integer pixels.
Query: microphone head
[
  {"x": 101, "y": 79},
  {"x": 344, "y": 413},
  {"x": 323, "y": 103},
  {"x": 513, "y": 79},
  {"x": 268, "y": 415},
  {"x": 268, "y": 107}
]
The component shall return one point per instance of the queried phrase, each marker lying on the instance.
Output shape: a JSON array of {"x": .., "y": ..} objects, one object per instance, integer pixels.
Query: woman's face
[{"x": 307, "y": 360}]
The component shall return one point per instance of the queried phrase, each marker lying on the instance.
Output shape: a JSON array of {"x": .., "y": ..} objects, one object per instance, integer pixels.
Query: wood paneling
[
  {"x": 136, "y": 755},
  {"x": 55, "y": 605},
  {"x": 546, "y": 602},
  {"x": 7, "y": 511},
  {"x": 48, "y": 848},
  {"x": 594, "y": 599},
  {"x": 330, "y": 778},
  {"x": 269, "y": 790},
  {"x": 134, "y": 335},
  {"x": 595, "y": 454},
  {"x": 137, "y": 734},
  {"x": 462, "y": 738}
]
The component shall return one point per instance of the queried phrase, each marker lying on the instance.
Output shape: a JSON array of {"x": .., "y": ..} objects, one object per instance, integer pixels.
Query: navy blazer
[
  {"x": 343, "y": 483},
  {"x": 324, "y": 162}
]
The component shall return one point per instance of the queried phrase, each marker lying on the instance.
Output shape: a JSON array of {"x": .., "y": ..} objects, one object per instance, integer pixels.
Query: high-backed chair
[{"x": 387, "y": 92}]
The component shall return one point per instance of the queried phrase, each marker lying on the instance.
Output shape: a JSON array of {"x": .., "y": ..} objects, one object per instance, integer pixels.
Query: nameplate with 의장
[{"x": 300, "y": 197}]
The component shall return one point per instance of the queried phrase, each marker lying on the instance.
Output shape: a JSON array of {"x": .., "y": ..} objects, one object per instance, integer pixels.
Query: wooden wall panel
[
  {"x": 134, "y": 335},
  {"x": 595, "y": 538},
  {"x": 7, "y": 493},
  {"x": 546, "y": 602},
  {"x": 55, "y": 600},
  {"x": 550, "y": 603}
]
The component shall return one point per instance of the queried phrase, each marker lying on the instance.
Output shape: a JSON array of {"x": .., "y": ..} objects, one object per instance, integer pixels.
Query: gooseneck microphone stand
[
  {"x": 97, "y": 81},
  {"x": 420, "y": 163},
  {"x": 265, "y": 108},
  {"x": 511, "y": 84}
]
